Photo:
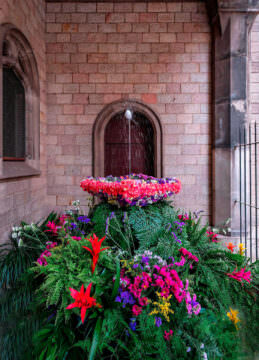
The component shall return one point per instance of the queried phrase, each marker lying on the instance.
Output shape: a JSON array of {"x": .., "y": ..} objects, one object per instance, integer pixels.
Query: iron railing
[{"x": 248, "y": 188}]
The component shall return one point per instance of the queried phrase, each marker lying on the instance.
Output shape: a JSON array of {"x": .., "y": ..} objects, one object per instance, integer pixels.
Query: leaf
[
  {"x": 96, "y": 337},
  {"x": 117, "y": 281}
]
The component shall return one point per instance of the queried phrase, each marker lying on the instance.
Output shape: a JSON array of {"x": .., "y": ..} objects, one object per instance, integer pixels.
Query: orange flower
[
  {"x": 231, "y": 246},
  {"x": 96, "y": 249}
]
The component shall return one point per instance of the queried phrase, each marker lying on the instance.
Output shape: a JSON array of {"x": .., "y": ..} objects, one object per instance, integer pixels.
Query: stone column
[{"x": 231, "y": 25}]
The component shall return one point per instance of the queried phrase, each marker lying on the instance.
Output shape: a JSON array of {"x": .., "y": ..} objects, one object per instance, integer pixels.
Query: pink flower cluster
[
  {"x": 168, "y": 335},
  {"x": 184, "y": 217},
  {"x": 212, "y": 236},
  {"x": 46, "y": 253},
  {"x": 241, "y": 275},
  {"x": 132, "y": 189},
  {"x": 187, "y": 254},
  {"x": 52, "y": 227}
]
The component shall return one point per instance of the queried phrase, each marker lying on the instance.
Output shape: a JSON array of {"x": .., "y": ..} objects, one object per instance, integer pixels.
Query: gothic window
[
  {"x": 19, "y": 104},
  {"x": 123, "y": 144}
]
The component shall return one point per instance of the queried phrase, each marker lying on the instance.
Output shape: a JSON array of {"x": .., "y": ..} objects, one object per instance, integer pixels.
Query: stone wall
[
  {"x": 25, "y": 198},
  {"x": 157, "y": 53}
]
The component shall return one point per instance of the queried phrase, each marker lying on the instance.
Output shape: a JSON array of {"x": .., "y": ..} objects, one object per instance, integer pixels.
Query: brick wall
[
  {"x": 25, "y": 198},
  {"x": 157, "y": 53},
  {"x": 254, "y": 72}
]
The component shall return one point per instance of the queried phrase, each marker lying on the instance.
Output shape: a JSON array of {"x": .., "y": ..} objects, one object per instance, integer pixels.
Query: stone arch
[
  {"x": 103, "y": 118},
  {"x": 17, "y": 54}
]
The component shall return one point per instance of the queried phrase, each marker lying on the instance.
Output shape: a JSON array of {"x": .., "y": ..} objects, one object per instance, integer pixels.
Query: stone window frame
[
  {"x": 103, "y": 119},
  {"x": 19, "y": 56}
]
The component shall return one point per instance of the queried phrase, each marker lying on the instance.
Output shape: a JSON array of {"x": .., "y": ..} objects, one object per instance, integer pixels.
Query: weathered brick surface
[
  {"x": 158, "y": 53},
  {"x": 25, "y": 198}
]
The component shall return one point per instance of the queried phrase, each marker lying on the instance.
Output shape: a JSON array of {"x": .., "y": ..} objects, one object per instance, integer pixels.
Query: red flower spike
[
  {"x": 96, "y": 249},
  {"x": 231, "y": 246},
  {"x": 83, "y": 300}
]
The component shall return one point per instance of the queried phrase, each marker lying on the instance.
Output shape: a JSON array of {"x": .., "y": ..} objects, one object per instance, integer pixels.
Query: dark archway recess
[{"x": 129, "y": 145}]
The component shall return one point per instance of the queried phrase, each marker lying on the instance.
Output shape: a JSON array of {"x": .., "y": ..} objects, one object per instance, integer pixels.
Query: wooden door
[{"x": 129, "y": 146}]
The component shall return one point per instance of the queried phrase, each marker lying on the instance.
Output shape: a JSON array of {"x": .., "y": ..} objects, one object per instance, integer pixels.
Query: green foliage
[{"x": 33, "y": 305}]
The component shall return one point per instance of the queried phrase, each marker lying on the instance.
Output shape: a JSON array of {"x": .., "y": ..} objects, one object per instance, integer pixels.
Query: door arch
[{"x": 145, "y": 143}]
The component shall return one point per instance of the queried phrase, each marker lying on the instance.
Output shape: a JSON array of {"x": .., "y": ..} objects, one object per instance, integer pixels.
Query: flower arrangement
[
  {"x": 131, "y": 282},
  {"x": 131, "y": 190}
]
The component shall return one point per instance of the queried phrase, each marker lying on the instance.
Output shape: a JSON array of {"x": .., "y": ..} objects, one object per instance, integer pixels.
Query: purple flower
[
  {"x": 133, "y": 324},
  {"x": 158, "y": 321},
  {"x": 135, "y": 266},
  {"x": 176, "y": 238},
  {"x": 83, "y": 219},
  {"x": 125, "y": 298},
  {"x": 145, "y": 259}
]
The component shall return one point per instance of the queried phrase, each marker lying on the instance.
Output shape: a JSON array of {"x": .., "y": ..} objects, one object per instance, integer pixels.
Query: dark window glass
[
  {"x": 13, "y": 116},
  {"x": 129, "y": 146}
]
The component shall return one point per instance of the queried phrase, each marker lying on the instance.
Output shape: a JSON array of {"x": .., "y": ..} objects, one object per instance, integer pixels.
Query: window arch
[
  {"x": 19, "y": 105},
  {"x": 110, "y": 136}
]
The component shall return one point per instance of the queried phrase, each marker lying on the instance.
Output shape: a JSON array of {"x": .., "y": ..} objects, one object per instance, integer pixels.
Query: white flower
[
  {"x": 14, "y": 235},
  {"x": 202, "y": 346}
]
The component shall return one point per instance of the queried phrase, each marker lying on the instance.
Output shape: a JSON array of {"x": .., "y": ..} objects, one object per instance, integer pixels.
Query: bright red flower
[
  {"x": 96, "y": 249},
  {"x": 231, "y": 246},
  {"x": 241, "y": 275},
  {"x": 83, "y": 300}
]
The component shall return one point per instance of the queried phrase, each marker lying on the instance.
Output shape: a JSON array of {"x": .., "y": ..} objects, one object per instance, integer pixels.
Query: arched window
[
  {"x": 19, "y": 105},
  {"x": 127, "y": 144}
]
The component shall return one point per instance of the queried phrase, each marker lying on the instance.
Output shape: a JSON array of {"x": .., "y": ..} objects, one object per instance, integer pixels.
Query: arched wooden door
[{"x": 129, "y": 145}]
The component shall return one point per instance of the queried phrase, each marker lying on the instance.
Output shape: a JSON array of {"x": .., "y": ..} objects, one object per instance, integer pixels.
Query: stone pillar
[{"x": 231, "y": 26}]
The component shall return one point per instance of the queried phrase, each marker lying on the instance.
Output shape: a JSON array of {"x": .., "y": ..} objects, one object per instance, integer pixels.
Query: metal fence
[{"x": 248, "y": 188}]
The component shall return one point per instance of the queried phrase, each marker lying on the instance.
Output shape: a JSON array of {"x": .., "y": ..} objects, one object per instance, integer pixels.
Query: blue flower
[
  {"x": 135, "y": 266},
  {"x": 176, "y": 238},
  {"x": 133, "y": 324},
  {"x": 158, "y": 321},
  {"x": 83, "y": 219},
  {"x": 145, "y": 259}
]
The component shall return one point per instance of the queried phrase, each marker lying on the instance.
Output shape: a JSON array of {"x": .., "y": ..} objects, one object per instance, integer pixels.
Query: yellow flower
[
  {"x": 233, "y": 316},
  {"x": 241, "y": 249},
  {"x": 162, "y": 306}
]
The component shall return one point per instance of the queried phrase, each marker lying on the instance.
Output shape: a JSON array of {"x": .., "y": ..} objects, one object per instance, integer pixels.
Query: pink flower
[
  {"x": 77, "y": 238},
  {"x": 136, "y": 310},
  {"x": 241, "y": 275},
  {"x": 143, "y": 301},
  {"x": 188, "y": 254},
  {"x": 168, "y": 335},
  {"x": 52, "y": 227}
]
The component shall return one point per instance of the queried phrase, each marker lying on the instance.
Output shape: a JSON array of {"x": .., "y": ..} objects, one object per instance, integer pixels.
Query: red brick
[
  {"x": 54, "y": 48},
  {"x": 174, "y": 68},
  {"x": 95, "y": 18},
  {"x": 78, "y": 18},
  {"x": 114, "y": 88},
  {"x": 63, "y": 38},
  {"x": 132, "y": 18},
  {"x": 143, "y": 48},
  {"x": 109, "y": 98},
  {"x": 87, "y": 88},
  {"x": 107, "y": 48},
  {"x": 62, "y": 58},
  {"x": 71, "y": 88},
  {"x": 116, "y": 58},
  {"x": 158, "y": 27},
  {"x": 140, "y": 7},
  {"x": 160, "y": 48},
  {"x": 55, "y": 88},
  {"x": 168, "y": 37},
  {"x": 157, "y": 7},
  {"x": 63, "y": 18},
  {"x": 190, "y": 88},
  {"x": 152, "y": 38},
  {"x": 140, "y": 28},
  {"x": 173, "y": 88},
  {"x": 80, "y": 78},
  {"x": 175, "y": 28},
  {"x": 97, "y": 78},
  {"x": 87, "y": 48},
  {"x": 50, "y": 18},
  {"x": 115, "y": 78},
  {"x": 69, "y": 7},
  {"x": 123, "y": 7},
  {"x": 70, "y": 28},
  {"x": 174, "y": 7},
  {"x": 56, "y": 28},
  {"x": 124, "y": 68},
  {"x": 63, "y": 78},
  {"x": 182, "y": 17},
  {"x": 189, "y": 7},
  {"x": 73, "y": 109},
  {"x": 124, "y": 28},
  {"x": 64, "y": 99},
  {"x": 201, "y": 37},
  {"x": 55, "y": 7},
  {"x": 127, "y": 48},
  {"x": 157, "y": 88},
  {"x": 114, "y": 18},
  {"x": 80, "y": 99},
  {"x": 87, "y": 68},
  {"x": 166, "y": 18},
  {"x": 87, "y": 28},
  {"x": 105, "y": 7},
  {"x": 158, "y": 68},
  {"x": 133, "y": 38},
  {"x": 140, "y": 88},
  {"x": 148, "y": 18},
  {"x": 97, "y": 58},
  {"x": 142, "y": 68},
  {"x": 88, "y": 7}
]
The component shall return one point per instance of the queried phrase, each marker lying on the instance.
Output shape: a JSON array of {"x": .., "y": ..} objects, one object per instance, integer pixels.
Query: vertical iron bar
[
  {"x": 256, "y": 196},
  {"x": 240, "y": 183},
  {"x": 129, "y": 146},
  {"x": 250, "y": 193},
  {"x": 245, "y": 187}
]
